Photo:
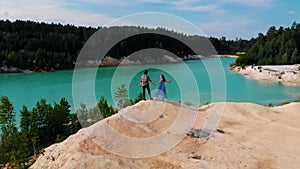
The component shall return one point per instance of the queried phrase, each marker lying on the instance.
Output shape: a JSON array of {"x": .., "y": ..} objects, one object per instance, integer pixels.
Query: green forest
[
  {"x": 40, "y": 46},
  {"x": 46, "y": 124},
  {"x": 45, "y": 47},
  {"x": 277, "y": 46},
  {"x": 40, "y": 127},
  {"x": 28, "y": 45}
]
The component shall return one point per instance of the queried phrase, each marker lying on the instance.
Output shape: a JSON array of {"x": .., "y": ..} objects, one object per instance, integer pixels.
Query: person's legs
[
  {"x": 148, "y": 89},
  {"x": 164, "y": 94},
  {"x": 144, "y": 94},
  {"x": 157, "y": 94}
]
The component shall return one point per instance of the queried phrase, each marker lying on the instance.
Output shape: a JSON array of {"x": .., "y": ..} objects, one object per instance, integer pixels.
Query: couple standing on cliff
[{"x": 162, "y": 91}]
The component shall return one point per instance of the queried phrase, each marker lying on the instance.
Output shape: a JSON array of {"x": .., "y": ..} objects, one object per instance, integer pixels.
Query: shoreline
[
  {"x": 110, "y": 62},
  {"x": 227, "y": 56},
  {"x": 11, "y": 70},
  {"x": 285, "y": 74}
]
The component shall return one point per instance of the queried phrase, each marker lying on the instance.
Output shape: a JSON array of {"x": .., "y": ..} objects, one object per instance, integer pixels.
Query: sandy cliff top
[{"x": 255, "y": 137}]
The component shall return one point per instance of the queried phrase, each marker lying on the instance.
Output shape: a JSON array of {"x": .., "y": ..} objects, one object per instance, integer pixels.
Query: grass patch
[{"x": 188, "y": 103}]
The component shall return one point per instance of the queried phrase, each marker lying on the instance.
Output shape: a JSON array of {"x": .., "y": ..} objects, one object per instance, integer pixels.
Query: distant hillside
[
  {"x": 41, "y": 46},
  {"x": 277, "y": 46}
]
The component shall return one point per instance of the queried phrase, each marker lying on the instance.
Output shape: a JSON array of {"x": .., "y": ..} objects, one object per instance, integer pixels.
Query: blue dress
[{"x": 162, "y": 91}]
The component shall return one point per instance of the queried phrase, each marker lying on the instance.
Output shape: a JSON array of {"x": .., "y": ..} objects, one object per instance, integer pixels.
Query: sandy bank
[
  {"x": 227, "y": 56},
  {"x": 286, "y": 74},
  {"x": 254, "y": 137}
]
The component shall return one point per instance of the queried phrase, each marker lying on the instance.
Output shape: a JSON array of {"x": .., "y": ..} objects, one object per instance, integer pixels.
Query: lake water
[{"x": 27, "y": 89}]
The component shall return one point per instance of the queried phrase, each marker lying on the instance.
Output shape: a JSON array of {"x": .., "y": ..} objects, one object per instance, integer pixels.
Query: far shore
[
  {"x": 112, "y": 62},
  {"x": 227, "y": 56},
  {"x": 285, "y": 74},
  {"x": 19, "y": 70}
]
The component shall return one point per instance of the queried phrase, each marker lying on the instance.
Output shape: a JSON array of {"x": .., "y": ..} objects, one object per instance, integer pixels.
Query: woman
[{"x": 162, "y": 91}]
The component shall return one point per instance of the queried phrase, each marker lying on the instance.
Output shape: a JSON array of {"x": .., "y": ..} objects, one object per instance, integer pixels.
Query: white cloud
[
  {"x": 184, "y": 2},
  {"x": 291, "y": 12},
  {"x": 236, "y": 27},
  {"x": 214, "y": 5},
  {"x": 204, "y": 8},
  {"x": 106, "y": 2},
  {"x": 49, "y": 11},
  {"x": 194, "y": 6},
  {"x": 152, "y": 1},
  {"x": 253, "y": 3}
]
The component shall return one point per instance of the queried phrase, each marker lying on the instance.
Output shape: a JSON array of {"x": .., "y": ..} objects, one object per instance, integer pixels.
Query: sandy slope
[
  {"x": 286, "y": 74},
  {"x": 255, "y": 137}
]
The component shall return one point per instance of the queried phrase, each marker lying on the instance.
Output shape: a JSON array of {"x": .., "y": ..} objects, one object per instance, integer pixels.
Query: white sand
[
  {"x": 286, "y": 74},
  {"x": 255, "y": 137},
  {"x": 227, "y": 56}
]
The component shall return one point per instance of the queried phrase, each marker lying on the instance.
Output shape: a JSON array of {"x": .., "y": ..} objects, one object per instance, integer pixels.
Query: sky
[{"x": 229, "y": 18}]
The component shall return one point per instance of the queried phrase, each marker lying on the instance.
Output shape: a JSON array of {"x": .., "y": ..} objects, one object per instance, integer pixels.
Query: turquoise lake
[{"x": 28, "y": 88}]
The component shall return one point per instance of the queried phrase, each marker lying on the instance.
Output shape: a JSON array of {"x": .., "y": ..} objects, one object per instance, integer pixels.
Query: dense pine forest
[
  {"x": 42, "y": 46},
  {"x": 45, "y": 47},
  {"x": 40, "y": 127},
  {"x": 46, "y": 124},
  {"x": 277, "y": 46}
]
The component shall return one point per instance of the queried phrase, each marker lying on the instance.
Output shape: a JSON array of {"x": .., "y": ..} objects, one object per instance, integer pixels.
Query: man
[{"x": 144, "y": 83}]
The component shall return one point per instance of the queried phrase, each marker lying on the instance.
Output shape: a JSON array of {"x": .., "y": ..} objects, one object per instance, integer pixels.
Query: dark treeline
[
  {"x": 40, "y": 127},
  {"x": 277, "y": 46},
  {"x": 46, "y": 124},
  {"x": 150, "y": 40},
  {"x": 225, "y": 46},
  {"x": 41, "y": 46}
]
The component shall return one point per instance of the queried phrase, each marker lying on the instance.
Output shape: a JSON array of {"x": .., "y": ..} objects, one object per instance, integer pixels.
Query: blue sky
[{"x": 229, "y": 18}]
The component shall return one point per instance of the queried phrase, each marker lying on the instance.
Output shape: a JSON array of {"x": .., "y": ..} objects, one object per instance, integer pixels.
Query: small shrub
[
  {"x": 243, "y": 66},
  {"x": 122, "y": 96},
  {"x": 270, "y": 105},
  {"x": 220, "y": 131},
  {"x": 188, "y": 103},
  {"x": 138, "y": 98}
]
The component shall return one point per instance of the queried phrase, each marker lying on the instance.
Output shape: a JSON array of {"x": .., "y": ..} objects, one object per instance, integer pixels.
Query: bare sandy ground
[
  {"x": 250, "y": 136},
  {"x": 227, "y": 56},
  {"x": 286, "y": 74}
]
